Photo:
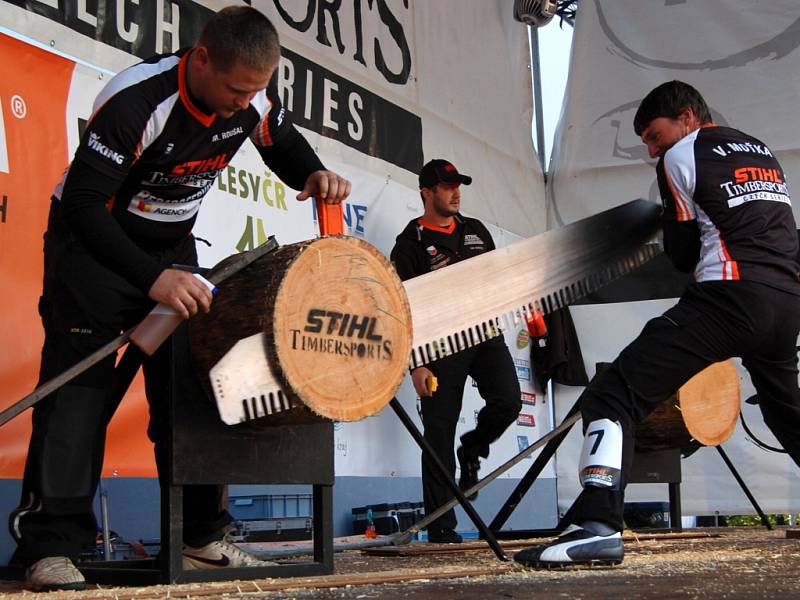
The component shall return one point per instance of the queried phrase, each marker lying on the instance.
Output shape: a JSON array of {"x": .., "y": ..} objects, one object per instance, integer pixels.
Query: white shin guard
[{"x": 601, "y": 457}]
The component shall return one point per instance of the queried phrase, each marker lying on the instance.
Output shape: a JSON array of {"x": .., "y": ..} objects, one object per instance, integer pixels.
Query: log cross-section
[
  {"x": 328, "y": 318},
  {"x": 341, "y": 328},
  {"x": 703, "y": 412}
]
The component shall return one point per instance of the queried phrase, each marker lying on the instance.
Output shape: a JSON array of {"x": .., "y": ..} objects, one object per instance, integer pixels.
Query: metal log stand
[
  {"x": 462, "y": 499},
  {"x": 203, "y": 450},
  {"x": 649, "y": 467}
]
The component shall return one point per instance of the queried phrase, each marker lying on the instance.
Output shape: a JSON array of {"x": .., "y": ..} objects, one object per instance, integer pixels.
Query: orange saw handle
[{"x": 330, "y": 218}]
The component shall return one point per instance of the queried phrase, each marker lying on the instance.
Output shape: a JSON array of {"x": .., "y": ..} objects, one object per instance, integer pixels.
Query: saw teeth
[{"x": 555, "y": 300}]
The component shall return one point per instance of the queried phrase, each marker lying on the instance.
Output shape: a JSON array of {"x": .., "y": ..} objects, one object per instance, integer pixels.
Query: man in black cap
[{"x": 442, "y": 236}]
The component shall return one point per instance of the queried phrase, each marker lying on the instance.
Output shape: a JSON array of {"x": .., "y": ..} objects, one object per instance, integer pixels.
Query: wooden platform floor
[{"x": 718, "y": 563}]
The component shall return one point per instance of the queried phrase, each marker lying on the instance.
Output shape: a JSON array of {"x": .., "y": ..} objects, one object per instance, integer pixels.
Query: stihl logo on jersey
[
  {"x": 215, "y": 163},
  {"x": 756, "y": 183},
  {"x": 757, "y": 174},
  {"x": 95, "y": 144}
]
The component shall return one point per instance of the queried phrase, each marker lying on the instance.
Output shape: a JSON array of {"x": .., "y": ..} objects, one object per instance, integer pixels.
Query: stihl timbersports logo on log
[{"x": 345, "y": 334}]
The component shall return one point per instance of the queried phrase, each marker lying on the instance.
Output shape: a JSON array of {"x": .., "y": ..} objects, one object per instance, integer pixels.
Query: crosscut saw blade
[{"x": 473, "y": 300}]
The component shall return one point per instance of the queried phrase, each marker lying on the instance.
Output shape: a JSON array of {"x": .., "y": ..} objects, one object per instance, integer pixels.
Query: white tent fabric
[{"x": 743, "y": 57}]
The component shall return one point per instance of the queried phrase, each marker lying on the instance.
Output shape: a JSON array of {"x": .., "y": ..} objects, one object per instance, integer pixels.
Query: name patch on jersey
[
  {"x": 227, "y": 134},
  {"x": 742, "y": 147}
]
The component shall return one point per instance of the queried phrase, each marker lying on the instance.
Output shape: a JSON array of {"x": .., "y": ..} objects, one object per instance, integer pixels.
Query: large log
[
  {"x": 702, "y": 412},
  {"x": 334, "y": 323}
]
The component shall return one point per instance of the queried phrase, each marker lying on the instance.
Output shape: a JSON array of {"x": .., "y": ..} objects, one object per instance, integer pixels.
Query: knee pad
[{"x": 601, "y": 456}]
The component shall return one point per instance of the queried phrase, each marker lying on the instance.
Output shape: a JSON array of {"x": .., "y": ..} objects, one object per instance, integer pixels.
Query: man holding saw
[
  {"x": 443, "y": 236},
  {"x": 160, "y": 133},
  {"x": 727, "y": 217}
]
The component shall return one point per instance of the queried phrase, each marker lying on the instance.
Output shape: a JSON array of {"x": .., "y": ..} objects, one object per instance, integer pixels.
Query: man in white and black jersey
[
  {"x": 728, "y": 218},
  {"x": 440, "y": 237},
  {"x": 160, "y": 133}
]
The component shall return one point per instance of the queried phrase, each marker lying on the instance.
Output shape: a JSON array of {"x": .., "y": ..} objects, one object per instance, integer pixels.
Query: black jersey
[
  {"x": 150, "y": 154},
  {"x": 421, "y": 247},
  {"x": 727, "y": 209}
]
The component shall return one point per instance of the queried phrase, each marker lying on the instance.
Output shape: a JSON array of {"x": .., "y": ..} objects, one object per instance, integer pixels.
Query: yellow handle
[{"x": 431, "y": 384}]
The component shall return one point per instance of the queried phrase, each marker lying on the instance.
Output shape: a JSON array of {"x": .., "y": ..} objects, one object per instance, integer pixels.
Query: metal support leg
[
  {"x": 740, "y": 481},
  {"x": 465, "y": 504},
  {"x": 172, "y": 532},
  {"x": 530, "y": 477},
  {"x": 323, "y": 525},
  {"x": 675, "y": 506}
]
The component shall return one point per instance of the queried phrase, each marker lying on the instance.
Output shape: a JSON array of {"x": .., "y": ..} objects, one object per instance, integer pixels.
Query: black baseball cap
[{"x": 439, "y": 170}]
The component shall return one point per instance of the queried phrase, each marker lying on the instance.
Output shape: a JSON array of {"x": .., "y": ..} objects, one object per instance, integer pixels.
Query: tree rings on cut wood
[
  {"x": 324, "y": 321},
  {"x": 703, "y": 412},
  {"x": 341, "y": 328}
]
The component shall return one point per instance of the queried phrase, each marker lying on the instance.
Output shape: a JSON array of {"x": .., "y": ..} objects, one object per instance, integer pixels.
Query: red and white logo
[
  {"x": 432, "y": 250},
  {"x": 526, "y": 420}
]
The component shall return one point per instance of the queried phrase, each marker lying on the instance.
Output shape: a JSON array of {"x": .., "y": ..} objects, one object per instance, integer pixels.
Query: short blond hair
[{"x": 241, "y": 34}]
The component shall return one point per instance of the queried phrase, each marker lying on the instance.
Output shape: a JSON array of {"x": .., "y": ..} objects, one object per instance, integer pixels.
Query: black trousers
[
  {"x": 85, "y": 305},
  {"x": 713, "y": 321},
  {"x": 491, "y": 366}
]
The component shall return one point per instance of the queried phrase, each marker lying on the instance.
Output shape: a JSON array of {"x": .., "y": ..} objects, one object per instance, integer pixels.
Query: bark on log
[
  {"x": 336, "y": 324},
  {"x": 703, "y": 412}
]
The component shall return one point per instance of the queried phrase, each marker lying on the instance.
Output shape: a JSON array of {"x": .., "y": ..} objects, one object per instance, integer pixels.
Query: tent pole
[{"x": 538, "y": 110}]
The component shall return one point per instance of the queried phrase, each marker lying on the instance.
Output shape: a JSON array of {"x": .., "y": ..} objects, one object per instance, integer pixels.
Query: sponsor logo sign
[
  {"x": 522, "y": 443},
  {"x": 526, "y": 420},
  {"x": 523, "y": 339},
  {"x": 343, "y": 334}
]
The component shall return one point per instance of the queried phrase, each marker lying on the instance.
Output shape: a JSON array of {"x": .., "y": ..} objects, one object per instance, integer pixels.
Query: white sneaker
[
  {"x": 54, "y": 573},
  {"x": 221, "y": 554}
]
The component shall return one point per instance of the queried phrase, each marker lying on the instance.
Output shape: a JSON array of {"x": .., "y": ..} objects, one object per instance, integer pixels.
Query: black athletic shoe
[
  {"x": 576, "y": 546},
  {"x": 469, "y": 471},
  {"x": 443, "y": 536}
]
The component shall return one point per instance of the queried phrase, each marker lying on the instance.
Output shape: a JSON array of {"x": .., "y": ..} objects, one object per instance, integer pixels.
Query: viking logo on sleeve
[
  {"x": 94, "y": 142},
  {"x": 601, "y": 456}
]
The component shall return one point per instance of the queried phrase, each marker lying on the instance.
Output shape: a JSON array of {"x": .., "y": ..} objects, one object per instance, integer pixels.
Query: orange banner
[{"x": 34, "y": 89}]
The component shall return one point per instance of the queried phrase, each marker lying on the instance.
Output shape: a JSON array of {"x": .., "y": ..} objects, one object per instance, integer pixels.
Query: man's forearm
[{"x": 292, "y": 159}]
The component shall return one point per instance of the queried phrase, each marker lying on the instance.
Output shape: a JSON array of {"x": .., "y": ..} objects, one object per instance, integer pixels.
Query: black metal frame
[
  {"x": 203, "y": 450},
  {"x": 485, "y": 533},
  {"x": 668, "y": 472}
]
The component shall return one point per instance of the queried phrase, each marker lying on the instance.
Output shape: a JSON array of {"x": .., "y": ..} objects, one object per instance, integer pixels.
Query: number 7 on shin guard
[{"x": 601, "y": 456}]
